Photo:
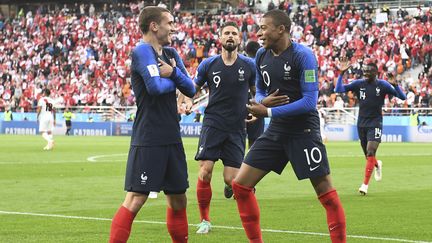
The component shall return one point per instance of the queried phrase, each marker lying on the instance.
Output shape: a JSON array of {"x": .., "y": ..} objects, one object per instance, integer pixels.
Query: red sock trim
[
  {"x": 335, "y": 216},
  {"x": 249, "y": 211},
  {"x": 177, "y": 225},
  {"x": 121, "y": 225}
]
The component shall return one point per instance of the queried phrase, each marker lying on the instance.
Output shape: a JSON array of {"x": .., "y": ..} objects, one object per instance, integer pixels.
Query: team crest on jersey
[
  {"x": 378, "y": 90},
  {"x": 287, "y": 69},
  {"x": 143, "y": 178},
  {"x": 241, "y": 77}
]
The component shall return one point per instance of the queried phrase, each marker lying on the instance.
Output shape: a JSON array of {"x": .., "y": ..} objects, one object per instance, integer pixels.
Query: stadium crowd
[{"x": 82, "y": 54}]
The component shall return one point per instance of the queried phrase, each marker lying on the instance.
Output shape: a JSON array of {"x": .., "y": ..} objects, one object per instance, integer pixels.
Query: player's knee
[
  {"x": 205, "y": 174},
  {"x": 134, "y": 201},
  {"x": 370, "y": 153},
  {"x": 228, "y": 179},
  {"x": 176, "y": 200},
  {"x": 241, "y": 191}
]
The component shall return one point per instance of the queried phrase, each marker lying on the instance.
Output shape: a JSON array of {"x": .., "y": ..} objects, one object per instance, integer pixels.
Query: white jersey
[
  {"x": 46, "y": 118},
  {"x": 47, "y": 106}
]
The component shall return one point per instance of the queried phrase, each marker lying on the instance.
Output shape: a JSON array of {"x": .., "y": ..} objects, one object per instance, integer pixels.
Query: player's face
[
  {"x": 267, "y": 33},
  {"x": 369, "y": 72},
  {"x": 230, "y": 38},
  {"x": 166, "y": 29}
]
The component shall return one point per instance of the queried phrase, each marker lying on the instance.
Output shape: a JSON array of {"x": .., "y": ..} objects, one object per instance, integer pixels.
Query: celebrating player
[
  {"x": 371, "y": 93},
  {"x": 156, "y": 158},
  {"x": 287, "y": 71},
  {"x": 229, "y": 77}
]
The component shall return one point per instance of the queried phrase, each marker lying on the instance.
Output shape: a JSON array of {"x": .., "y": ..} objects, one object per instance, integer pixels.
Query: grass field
[{"x": 70, "y": 195}]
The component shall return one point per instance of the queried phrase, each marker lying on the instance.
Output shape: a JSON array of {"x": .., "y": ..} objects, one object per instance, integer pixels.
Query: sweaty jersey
[
  {"x": 371, "y": 99},
  {"x": 47, "y": 107},
  {"x": 156, "y": 120},
  {"x": 228, "y": 91},
  {"x": 294, "y": 73}
]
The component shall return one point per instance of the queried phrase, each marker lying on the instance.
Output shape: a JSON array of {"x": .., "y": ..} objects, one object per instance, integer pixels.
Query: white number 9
[{"x": 216, "y": 80}]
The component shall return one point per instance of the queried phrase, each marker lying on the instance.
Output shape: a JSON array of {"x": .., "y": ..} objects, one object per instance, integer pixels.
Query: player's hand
[
  {"x": 54, "y": 123},
  {"x": 165, "y": 69},
  {"x": 251, "y": 119},
  {"x": 189, "y": 104},
  {"x": 257, "y": 109},
  {"x": 344, "y": 64},
  {"x": 275, "y": 100},
  {"x": 391, "y": 79}
]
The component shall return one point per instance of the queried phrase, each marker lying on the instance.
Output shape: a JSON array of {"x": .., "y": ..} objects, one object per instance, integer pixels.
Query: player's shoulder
[
  {"x": 260, "y": 55},
  {"x": 301, "y": 49},
  {"x": 170, "y": 50},
  {"x": 141, "y": 47},
  {"x": 209, "y": 61},
  {"x": 383, "y": 82},
  {"x": 247, "y": 60},
  {"x": 260, "y": 52}
]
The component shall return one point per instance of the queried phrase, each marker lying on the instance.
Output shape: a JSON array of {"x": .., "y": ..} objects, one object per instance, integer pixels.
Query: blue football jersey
[
  {"x": 228, "y": 91},
  {"x": 294, "y": 72},
  {"x": 371, "y": 99},
  {"x": 156, "y": 121}
]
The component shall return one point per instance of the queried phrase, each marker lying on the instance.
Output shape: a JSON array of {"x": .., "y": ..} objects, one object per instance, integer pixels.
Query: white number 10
[{"x": 316, "y": 159}]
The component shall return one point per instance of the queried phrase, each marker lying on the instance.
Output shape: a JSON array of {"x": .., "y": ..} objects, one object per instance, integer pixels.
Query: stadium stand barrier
[{"x": 400, "y": 125}]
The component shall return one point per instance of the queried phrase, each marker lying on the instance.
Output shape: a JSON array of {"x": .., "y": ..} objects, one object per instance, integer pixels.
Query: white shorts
[{"x": 46, "y": 124}]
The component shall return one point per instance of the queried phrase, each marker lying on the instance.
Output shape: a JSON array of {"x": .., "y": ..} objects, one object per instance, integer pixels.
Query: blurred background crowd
[{"x": 81, "y": 51}]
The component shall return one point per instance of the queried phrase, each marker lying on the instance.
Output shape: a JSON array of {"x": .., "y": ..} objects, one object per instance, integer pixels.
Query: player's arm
[
  {"x": 181, "y": 77},
  {"x": 38, "y": 110},
  {"x": 393, "y": 88},
  {"x": 340, "y": 87},
  {"x": 54, "y": 115},
  {"x": 198, "y": 83},
  {"x": 147, "y": 66},
  {"x": 252, "y": 87},
  {"x": 309, "y": 86},
  {"x": 260, "y": 87}
]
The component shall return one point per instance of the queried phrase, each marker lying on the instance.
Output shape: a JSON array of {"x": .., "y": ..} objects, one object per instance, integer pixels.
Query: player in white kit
[{"x": 46, "y": 118}]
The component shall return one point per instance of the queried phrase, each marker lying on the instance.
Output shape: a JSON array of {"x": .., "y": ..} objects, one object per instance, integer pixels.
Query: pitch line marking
[
  {"x": 215, "y": 226},
  {"x": 95, "y": 158}
]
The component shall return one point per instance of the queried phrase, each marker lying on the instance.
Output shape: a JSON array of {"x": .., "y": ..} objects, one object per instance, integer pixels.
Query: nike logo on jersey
[
  {"x": 314, "y": 168},
  {"x": 263, "y": 66},
  {"x": 214, "y": 73}
]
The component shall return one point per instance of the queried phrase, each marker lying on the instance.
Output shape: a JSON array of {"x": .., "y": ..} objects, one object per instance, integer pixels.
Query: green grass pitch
[{"x": 71, "y": 193}]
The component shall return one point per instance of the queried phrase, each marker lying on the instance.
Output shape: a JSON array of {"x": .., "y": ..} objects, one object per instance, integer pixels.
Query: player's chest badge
[
  {"x": 241, "y": 75},
  {"x": 287, "y": 69},
  {"x": 378, "y": 91}
]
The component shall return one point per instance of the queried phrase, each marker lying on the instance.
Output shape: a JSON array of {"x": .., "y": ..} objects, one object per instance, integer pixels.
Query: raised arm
[
  {"x": 343, "y": 67},
  {"x": 394, "y": 88}
]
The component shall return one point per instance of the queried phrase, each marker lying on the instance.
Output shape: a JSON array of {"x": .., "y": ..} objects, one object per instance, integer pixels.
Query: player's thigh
[
  {"x": 210, "y": 144},
  {"x": 145, "y": 170},
  {"x": 233, "y": 149},
  {"x": 45, "y": 124},
  {"x": 267, "y": 154},
  {"x": 255, "y": 129},
  {"x": 308, "y": 156},
  {"x": 176, "y": 174},
  {"x": 362, "y": 134},
  {"x": 374, "y": 134}
]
